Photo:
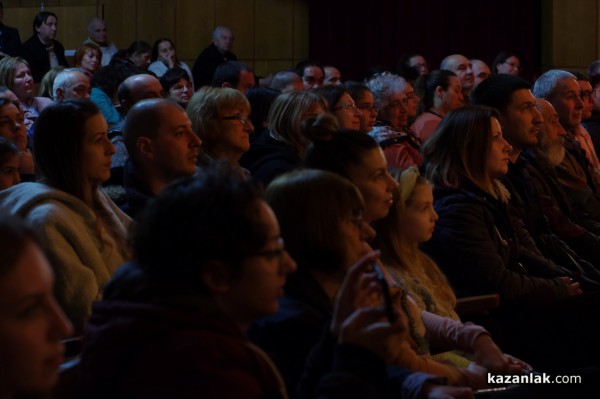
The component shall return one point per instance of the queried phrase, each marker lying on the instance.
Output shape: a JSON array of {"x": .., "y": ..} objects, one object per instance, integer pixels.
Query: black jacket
[{"x": 36, "y": 54}]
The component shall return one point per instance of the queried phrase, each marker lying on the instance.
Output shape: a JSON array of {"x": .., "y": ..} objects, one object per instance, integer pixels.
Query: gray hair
[
  {"x": 64, "y": 80},
  {"x": 383, "y": 86},
  {"x": 218, "y": 30},
  {"x": 545, "y": 85}
]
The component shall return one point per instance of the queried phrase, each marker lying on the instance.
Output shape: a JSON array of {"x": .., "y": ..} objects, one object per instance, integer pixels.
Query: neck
[
  {"x": 47, "y": 41},
  {"x": 438, "y": 110}
]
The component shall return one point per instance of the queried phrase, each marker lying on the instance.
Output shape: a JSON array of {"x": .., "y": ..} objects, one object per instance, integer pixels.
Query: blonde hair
[
  {"x": 412, "y": 269},
  {"x": 205, "y": 110}
]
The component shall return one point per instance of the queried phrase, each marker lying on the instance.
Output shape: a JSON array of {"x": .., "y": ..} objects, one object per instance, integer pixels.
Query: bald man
[
  {"x": 98, "y": 35},
  {"x": 461, "y": 66}
]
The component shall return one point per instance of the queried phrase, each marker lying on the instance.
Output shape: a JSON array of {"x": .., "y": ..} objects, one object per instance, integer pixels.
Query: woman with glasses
[
  {"x": 365, "y": 103},
  {"x": 341, "y": 105},
  {"x": 281, "y": 148},
  {"x": 443, "y": 93},
  {"x": 400, "y": 145},
  {"x": 177, "y": 86},
  {"x": 506, "y": 62},
  {"x": 220, "y": 117}
]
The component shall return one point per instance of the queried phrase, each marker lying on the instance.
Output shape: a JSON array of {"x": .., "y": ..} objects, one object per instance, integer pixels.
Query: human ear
[
  {"x": 216, "y": 277},
  {"x": 145, "y": 147}
]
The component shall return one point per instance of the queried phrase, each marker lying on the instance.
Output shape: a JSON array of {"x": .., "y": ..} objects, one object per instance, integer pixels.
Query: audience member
[
  {"x": 177, "y": 86},
  {"x": 260, "y": 98},
  {"x": 218, "y": 52},
  {"x": 443, "y": 93},
  {"x": 282, "y": 149},
  {"x": 592, "y": 124},
  {"x": 138, "y": 53},
  {"x": 506, "y": 62},
  {"x": 41, "y": 50},
  {"x": 32, "y": 324},
  {"x": 81, "y": 228},
  {"x": 12, "y": 127},
  {"x": 461, "y": 66},
  {"x": 480, "y": 71},
  {"x": 47, "y": 83},
  {"x": 98, "y": 35},
  {"x": 162, "y": 147},
  {"x": 341, "y": 105},
  {"x": 220, "y": 117},
  {"x": 88, "y": 57},
  {"x": 233, "y": 74},
  {"x": 311, "y": 73},
  {"x": 71, "y": 83},
  {"x": 365, "y": 103},
  {"x": 164, "y": 57},
  {"x": 10, "y": 40},
  {"x": 400, "y": 145},
  {"x": 332, "y": 76},
  {"x": 286, "y": 81}
]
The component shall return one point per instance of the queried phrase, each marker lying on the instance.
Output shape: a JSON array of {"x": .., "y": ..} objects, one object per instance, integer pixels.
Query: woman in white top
[{"x": 164, "y": 57}]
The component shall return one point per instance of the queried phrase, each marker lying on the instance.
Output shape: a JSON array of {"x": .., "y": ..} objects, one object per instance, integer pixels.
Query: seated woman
[
  {"x": 506, "y": 62},
  {"x": 164, "y": 57},
  {"x": 281, "y": 149},
  {"x": 321, "y": 220},
  {"x": 177, "y": 86},
  {"x": 88, "y": 57},
  {"x": 12, "y": 127},
  {"x": 32, "y": 325},
  {"x": 9, "y": 164},
  {"x": 400, "y": 145},
  {"x": 480, "y": 251},
  {"x": 84, "y": 232},
  {"x": 47, "y": 82},
  {"x": 195, "y": 302},
  {"x": 341, "y": 105},
  {"x": 138, "y": 53},
  {"x": 443, "y": 93},
  {"x": 219, "y": 117},
  {"x": 365, "y": 102},
  {"x": 410, "y": 223},
  {"x": 105, "y": 83},
  {"x": 16, "y": 75}
]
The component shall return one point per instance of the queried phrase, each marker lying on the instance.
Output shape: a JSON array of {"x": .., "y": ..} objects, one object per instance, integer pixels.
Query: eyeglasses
[
  {"x": 512, "y": 64},
  {"x": 181, "y": 87},
  {"x": 346, "y": 106},
  {"x": 245, "y": 120},
  {"x": 586, "y": 94},
  {"x": 368, "y": 107},
  {"x": 272, "y": 254}
]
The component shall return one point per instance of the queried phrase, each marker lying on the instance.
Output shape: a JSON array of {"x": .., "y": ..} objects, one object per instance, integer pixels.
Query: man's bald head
[{"x": 137, "y": 88}]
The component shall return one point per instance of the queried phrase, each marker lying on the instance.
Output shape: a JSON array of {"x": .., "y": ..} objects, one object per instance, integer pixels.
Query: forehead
[
  {"x": 50, "y": 20},
  {"x": 567, "y": 84},
  {"x": 417, "y": 59},
  {"x": 313, "y": 71},
  {"x": 9, "y": 109},
  {"x": 164, "y": 44},
  {"x": 172, "y": 116},
  {"x": 584, "y": 84},
  {"x": 460, "y": 61},
  {"x": 332, "y": 71},
  {"x": 521, "y": 96}
]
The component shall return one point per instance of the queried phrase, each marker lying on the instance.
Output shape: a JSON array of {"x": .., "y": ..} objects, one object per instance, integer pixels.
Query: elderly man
[
  {"x": 71, "y": 83},
  {"x": 218, "y": 52},
  {"x": 286, "y": 81},
  {"x": 580, "y": 180},
  {"x": 461, "y": 66},
  {"x": 97, "y": 35},
  {"x": 162, "y": 147},
  {"x": 521, "y": 122}
]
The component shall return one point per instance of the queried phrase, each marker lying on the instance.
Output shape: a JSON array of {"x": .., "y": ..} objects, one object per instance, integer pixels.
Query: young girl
[
  {"x": 84, "y": 231},
  {"x": 9, "y": 164},
  {"x": 411, "y": 222}
]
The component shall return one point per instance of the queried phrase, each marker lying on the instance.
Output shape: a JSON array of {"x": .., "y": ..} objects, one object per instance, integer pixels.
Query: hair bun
[{"x": 320, "y": 128}]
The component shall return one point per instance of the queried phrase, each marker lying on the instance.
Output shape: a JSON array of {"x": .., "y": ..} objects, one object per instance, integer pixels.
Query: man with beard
[{"x": 521, "y": 122}]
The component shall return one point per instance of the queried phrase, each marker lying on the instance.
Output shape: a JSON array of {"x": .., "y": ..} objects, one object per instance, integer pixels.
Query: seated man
[
  {"x": 71, "y": 83},
  {"x": 218, "y": 52},
  {"x": 234, "y": 74},
  {"x": 162, "y": 147}
]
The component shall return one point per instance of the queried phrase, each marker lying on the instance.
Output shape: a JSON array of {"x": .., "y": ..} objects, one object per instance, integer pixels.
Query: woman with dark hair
[
  {"x": 356, "y": 157},
  {"x": 443, "y": 93},
  {"x": 138, "y": 53},
  {"x": 105, "y": 83},
  {"x": 365, "y": 103},
  {"x": 12, "y": 127},
  {"x": 177, "y": 86},
  {"x": 164, "y": 57},
  {"x": 283, "y": 148},
  {"x": 32, "y": 325},
  {"x": 260, "y": 98},
  {"x": 341, "y": 105},
  {"x": 506, "y": 62},
  {"x": 9, "y": 164},
  {"x": 84, "y": 231}
]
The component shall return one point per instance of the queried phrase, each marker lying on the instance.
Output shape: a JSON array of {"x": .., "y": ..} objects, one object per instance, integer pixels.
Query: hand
[
  {"x": 488, "y": 355},
  {"x": 573, "y": 287},
  {"x": 370, "y": 329},
  {"x": 169, "y": 61},
  {"x": 431, "y": 391}
]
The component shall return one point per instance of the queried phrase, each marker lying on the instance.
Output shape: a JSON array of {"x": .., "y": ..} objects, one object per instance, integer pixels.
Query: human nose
[
  {"x": 578, "y": 102},
  {"x": 16, "y": 177},
  {"x": 195, "y": 140},
  {"x": 537, "y": 116},
  {"x": 367, "y": 232},
  {"x": 392, "y": 183},
  {"x": 60, "y": 326},
  {"x": 434, "y": 215},
  {"x": 110, "y": 147},
  {"x": 288, "y": 264},
  {"x": 507, "y": 147}
]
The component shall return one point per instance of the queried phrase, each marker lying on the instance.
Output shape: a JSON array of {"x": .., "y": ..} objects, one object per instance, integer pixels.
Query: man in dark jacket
[
  {"x": 41, "y": 51},
  {"x": 214, "y": 55}
]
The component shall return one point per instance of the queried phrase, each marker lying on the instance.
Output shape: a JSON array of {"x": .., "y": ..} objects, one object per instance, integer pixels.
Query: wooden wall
[{"x": 270, "y": 35}]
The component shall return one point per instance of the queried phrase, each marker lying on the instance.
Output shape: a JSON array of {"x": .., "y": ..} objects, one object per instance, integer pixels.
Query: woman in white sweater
[{"x": 83, "y": 230}]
